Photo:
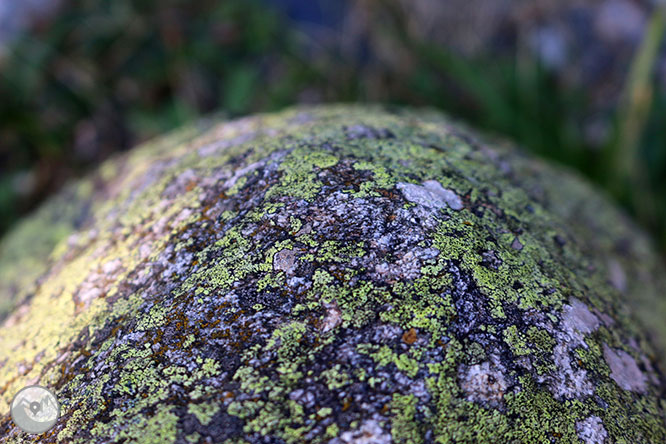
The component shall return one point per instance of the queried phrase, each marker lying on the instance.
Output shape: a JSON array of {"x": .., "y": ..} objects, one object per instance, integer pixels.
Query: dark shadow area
[{"x": 582, "y": 83}]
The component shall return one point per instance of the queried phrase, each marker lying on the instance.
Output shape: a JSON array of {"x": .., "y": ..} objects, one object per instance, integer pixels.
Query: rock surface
[{"x": 334, "y": 274}]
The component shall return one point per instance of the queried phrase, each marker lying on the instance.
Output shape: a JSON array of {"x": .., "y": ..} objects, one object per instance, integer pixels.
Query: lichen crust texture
[{"x": 334, "y": 274}]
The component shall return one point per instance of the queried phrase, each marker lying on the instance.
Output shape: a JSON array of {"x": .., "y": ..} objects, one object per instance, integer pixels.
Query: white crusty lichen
[
  {"x": 432, "y": 194},
  {"x": 369, "y": 433},
  {"x": 570, "y": 381},
  {"x": 483, "y": 383},
  {"x": 591, "y": 430}
]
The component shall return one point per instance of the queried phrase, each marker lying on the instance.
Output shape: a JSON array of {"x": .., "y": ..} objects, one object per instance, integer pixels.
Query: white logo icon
[{"x": 35, "y": 409}]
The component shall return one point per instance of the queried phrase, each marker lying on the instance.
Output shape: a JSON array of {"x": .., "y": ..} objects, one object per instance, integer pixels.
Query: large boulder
[{"x": 339, "y": 274}]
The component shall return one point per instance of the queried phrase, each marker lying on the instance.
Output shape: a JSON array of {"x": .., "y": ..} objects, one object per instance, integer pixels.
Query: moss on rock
[{"x": 339, "y": 274}]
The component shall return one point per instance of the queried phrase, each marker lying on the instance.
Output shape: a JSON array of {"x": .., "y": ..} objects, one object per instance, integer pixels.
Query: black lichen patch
[{"x": 368, "y": 132}]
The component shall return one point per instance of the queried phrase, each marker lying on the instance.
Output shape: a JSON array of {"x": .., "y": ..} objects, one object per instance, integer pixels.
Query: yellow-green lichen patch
[
  {"x": 38, "y": 242},
  {"x": 203, "y": 412},
  {"x": 404, "y": 427}
]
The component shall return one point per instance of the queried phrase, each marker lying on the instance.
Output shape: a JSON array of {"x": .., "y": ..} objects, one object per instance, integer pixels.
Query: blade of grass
[{"x": 633, "y": 112}]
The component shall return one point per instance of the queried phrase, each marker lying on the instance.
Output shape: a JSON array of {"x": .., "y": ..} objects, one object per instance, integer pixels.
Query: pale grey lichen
[
  {"x": 569, "y": 381},
  {"x": 577, "y": 321},
  {"x": 483, "y": 383},
  {"x": 432, "y": 194},
  {"x": 591, "y": 430},
  {"x": 333, "y": 316},
  {"x": 284, "y": 260},
  {"x": 616, "y": 275},
  {"x": 370, "y": 432},
  {"x": 624, "y": 370}
]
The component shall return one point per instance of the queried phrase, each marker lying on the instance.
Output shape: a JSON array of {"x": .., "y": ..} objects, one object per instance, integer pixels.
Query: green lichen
[
  {"x": 404, "y": 426},
  {"x": 203, "y": 412},
  {"x": 269, "y": 279}
]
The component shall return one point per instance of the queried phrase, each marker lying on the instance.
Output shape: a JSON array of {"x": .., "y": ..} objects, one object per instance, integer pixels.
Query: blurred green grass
[{"x": 105, "y": 75}]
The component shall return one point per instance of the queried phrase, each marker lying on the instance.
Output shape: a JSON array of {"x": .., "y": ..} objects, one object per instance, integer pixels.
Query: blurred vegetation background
[{"x": 582, "y": 82}]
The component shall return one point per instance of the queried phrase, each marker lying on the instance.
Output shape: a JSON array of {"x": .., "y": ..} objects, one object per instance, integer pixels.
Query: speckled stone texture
[{"x": 338, "y": 274}]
